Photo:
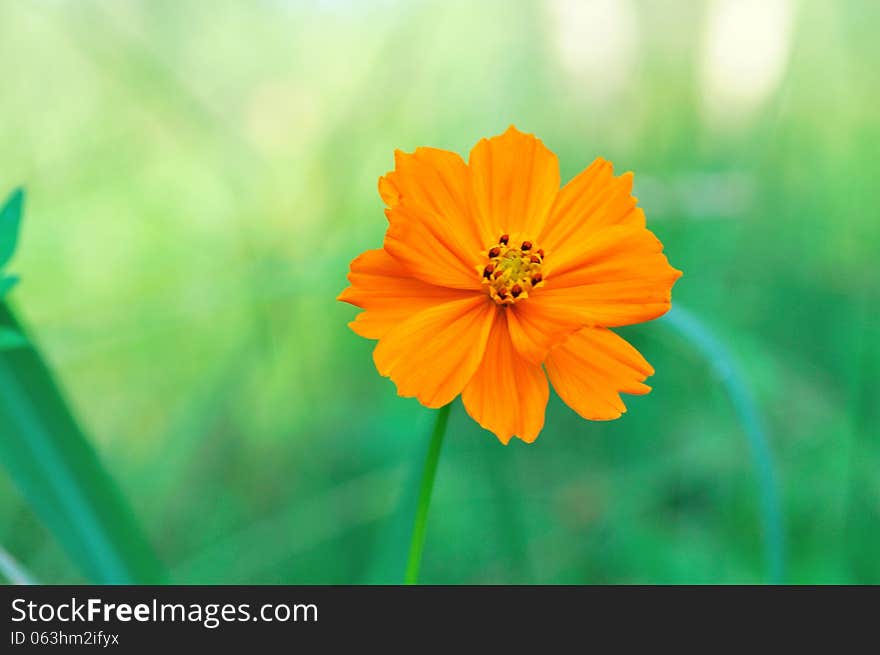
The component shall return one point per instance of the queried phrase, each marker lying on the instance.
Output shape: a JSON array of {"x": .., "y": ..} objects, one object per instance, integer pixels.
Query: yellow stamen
[{"x": 511, "y": 272}]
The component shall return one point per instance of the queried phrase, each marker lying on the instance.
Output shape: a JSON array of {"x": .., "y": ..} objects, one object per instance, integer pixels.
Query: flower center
[{"x": 512, "y": 271}]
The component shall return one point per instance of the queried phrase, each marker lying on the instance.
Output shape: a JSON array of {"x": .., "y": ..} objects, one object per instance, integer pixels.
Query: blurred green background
[{"x": 200, "y": 174}]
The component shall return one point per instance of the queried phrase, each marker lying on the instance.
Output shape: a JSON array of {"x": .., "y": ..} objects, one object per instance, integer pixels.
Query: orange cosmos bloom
[{"x": 491, "y": 275}]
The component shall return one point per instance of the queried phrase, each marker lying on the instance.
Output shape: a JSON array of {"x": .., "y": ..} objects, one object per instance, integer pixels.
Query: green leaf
[
  {"x": 6, "y": 283},
  {"x": 9, "y": 338},
  {"x": 13, "y": 571},
  {"x": 60, "y": 475},
  {"x": 10, "y": 220}
]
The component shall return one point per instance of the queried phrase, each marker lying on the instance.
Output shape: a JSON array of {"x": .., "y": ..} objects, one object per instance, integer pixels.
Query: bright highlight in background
[
  {"x": 596, "y": 41},
  {"x": 745, "y": 54}
]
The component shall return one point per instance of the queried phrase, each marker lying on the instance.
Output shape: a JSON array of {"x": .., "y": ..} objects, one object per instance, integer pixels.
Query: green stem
[
  {"x": 429, "y": 472},
  {"x": 750, "y": 419}
]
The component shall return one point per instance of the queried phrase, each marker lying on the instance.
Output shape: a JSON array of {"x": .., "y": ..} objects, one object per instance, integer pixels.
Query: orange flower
[{"x": 491, "y": 274}]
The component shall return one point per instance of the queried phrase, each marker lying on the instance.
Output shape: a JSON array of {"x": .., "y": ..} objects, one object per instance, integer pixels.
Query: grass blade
[
  {"x": 60, "y": 475},
  {"x": 14, "y": 572},
  {"x": 722, "y": 363},
  {"x": 10, "y": 219},
  {"x": 11, "y": 339},
  {"x": 6, "y": 283}
]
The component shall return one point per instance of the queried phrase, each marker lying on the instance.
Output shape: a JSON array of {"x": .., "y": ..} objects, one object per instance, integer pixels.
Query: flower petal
[
  {"x": 389, "y": 294},
  {"x": 619, "y": 277},
  {"x": 594, "y": 199},
  {"x": 434, "y": 353},
  {"x": 590, "y": 368},
  {"x": 388, "y": 191},
  {"x": 507, "y": 395},
  {"x": 431, "y": 230},
  {"x": 429, "y": 177},
  {"x": 436, "y": 182},
  {"x": 430, "y": 250},
  {"x": 514, "y": 179},
  {"x": 536, "y": 328}
]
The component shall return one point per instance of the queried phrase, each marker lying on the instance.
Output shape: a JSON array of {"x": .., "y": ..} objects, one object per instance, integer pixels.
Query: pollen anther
[{"x": 512, "y": 273}]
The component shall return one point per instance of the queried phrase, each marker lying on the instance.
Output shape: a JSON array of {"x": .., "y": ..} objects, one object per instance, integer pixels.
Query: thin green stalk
[
  {"x": 750, "y": 418},
  {"x": 429, "y": 472}
]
